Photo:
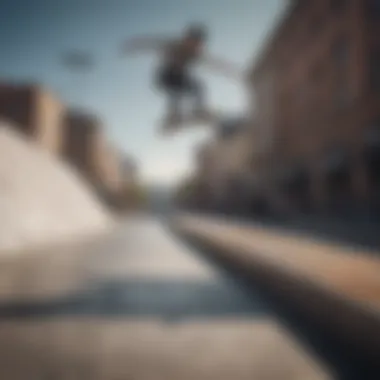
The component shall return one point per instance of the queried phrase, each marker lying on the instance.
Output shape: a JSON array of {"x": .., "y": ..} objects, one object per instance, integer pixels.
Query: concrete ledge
[{"x": 344, "y": 330}]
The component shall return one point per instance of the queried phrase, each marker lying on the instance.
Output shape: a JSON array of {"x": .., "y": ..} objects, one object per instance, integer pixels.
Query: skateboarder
[{"x": 174, "y": 77}]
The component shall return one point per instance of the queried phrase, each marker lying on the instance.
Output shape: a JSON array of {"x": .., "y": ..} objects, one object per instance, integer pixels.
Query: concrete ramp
[{"x": 41, "y": 200}]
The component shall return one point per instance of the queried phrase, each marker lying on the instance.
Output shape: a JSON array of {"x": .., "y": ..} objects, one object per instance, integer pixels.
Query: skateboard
[{"x": 188, "y": 119}]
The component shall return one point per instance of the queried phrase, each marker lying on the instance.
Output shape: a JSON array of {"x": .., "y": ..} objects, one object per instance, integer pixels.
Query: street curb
[{"x": 343, "y": 333}]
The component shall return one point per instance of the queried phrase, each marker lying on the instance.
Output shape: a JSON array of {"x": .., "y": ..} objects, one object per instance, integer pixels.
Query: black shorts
[{"x": 175, "y": 80}]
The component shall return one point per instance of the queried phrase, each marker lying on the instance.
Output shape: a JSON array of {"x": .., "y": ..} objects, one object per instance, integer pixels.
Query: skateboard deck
[{"x": 188, "y": 119}]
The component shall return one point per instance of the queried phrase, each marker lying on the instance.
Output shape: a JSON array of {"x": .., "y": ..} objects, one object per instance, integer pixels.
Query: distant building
[
  {"x": 128, "y": 170},
  {"x": 81, "y": 136},
  {"x": 223, "y": 165},
  {"x": 35, "y": 112},
  {"x": 109, "y": 171},
  {"x": 317, "y": 90},
  {"x": 120, "y": 176},
  {"x": 109, "y": 165}
]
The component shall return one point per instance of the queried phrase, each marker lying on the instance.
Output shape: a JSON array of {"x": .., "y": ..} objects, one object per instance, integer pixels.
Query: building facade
[
  {"x": 35, "y": 111},
  {"x": 87, "y": 148},
  {"x": 76, "y": 136},
  {"x": 223, "y": 166},
  {"x": 317, "y": 90},
  {"x": 81, "y": 133}
]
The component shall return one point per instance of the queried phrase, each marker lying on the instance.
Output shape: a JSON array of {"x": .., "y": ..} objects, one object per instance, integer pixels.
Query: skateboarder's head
[{"x": 196, "y": 35}]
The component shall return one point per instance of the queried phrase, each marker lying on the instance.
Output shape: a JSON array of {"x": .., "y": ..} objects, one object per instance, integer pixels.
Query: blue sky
[{"x": 35, "y": 33}]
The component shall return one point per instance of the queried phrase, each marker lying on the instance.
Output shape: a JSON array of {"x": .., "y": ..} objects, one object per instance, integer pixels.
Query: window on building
[{"x": 374, "y": 70}]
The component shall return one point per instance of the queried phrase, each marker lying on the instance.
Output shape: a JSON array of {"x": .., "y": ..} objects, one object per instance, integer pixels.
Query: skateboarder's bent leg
[{"x": 173, "y": 83}]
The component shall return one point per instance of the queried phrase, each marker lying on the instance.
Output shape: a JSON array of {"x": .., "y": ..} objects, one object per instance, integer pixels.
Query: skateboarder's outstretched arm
[
  {"x": 144, "y": 43},
  {"x": 222, "y": 66}
]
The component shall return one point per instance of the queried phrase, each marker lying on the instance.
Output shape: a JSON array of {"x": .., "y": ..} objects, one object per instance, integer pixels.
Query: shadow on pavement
[{"x": 173, "y": 299}]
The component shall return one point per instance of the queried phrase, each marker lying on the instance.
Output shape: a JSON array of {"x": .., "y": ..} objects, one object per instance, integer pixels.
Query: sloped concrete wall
[{"x": 41, "y": 200}]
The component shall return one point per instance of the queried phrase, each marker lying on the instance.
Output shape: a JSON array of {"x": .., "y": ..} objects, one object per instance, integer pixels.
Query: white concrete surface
[
  {"x": 41, "y": 200},
  {"x": 145, "y": 346},
  {"x": 142, "y": 248}
]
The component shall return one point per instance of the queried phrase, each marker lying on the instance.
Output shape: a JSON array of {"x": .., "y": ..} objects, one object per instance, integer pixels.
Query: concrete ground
[{"x": 138, "y": 304}]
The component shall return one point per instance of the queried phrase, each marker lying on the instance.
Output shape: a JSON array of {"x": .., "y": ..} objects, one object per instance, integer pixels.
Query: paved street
[{"x": 144, "y": 306}]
